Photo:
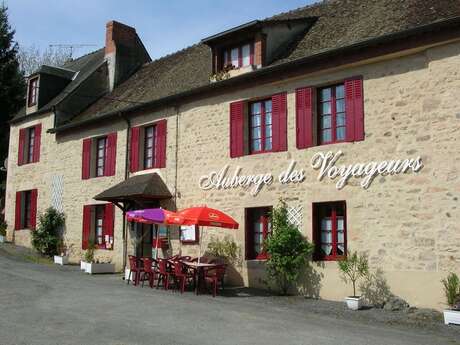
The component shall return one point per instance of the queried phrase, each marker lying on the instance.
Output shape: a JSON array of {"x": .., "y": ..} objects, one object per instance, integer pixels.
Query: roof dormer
[
  {"x": 253, "y": 45},
  {"x": 44, "y": 84}
]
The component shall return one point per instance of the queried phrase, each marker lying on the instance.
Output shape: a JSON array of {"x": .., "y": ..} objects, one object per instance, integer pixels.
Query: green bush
[
  {"x": 452, "y": 289},
  {"x": 227, "y": 249},
  {"x": 288, "y": 251},
  {"x": 46, "y": 239},
  {"x": 354, "y": 267},
  {"x": 88, "y": 256},
  {"x": 3, "y": 227}
]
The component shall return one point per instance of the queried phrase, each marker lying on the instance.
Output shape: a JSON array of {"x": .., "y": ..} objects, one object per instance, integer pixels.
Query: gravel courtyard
[{"x": 45, "y": 304}]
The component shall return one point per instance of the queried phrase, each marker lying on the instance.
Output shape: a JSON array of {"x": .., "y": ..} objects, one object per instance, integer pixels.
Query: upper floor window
[
  {"x": 148, "y": 146},
  {"x": 99, "y": 156},
  {"x": 334, "y": 115},
  {"x": 32, "y": 92},
  {"x": 261, "y": 126},
  {"x": 26, "y": 210},
  {"x": 329, "y": 230},
  {"x": 29, "y": 145},
  {"x": 239, "y": 56}
]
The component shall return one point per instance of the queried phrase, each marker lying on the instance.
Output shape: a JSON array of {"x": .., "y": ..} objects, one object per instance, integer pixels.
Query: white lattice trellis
[
  {"x": 57, "y": 189},
  {"x": 295, "y": 216}
]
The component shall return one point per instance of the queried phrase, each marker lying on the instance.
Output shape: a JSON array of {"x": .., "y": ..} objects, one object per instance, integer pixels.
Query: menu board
[{"x": 189, "y": 233}]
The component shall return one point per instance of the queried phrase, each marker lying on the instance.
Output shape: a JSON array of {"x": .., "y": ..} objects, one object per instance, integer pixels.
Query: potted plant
[
  {"x": 354, "y": 267},
  {"x": 452, "y": 291},
  {"x": 88, "y": 257},
  {"x": 63, "y": 254},
  {"x": 94, "y": 266},
  {"x": 3, "y": 227}
]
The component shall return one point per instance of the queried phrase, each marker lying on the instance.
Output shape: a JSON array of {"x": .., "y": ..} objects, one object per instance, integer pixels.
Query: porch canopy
[{"x": 136, "y": 191}]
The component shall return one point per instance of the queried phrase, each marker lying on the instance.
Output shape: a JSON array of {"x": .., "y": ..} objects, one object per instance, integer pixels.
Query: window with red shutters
[
  {"x": 258, "y": 228},
  {"x": 260, "y": 126},
  {"x": 331, "y": 114},
  {"x": 32, "y": 92},
  {"x": 29, "y": 145},
  {"x": 149, "y": 143},
  {"x": 26, "y": 210},
  {"x": 99, "y": 156},
  {"x": 330, "y": 230},
  {"x": 98, "y": 226}
]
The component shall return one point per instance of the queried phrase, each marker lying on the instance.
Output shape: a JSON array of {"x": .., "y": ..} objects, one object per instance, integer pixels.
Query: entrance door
[{"x": 143, "y": 240}]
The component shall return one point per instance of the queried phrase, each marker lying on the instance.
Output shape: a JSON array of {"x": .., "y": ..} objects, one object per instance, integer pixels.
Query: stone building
[{"x": 347, "y": 109}]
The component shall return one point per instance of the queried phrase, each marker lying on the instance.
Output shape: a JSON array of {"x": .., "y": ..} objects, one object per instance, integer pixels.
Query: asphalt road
[{"x": 42, "y": 304}]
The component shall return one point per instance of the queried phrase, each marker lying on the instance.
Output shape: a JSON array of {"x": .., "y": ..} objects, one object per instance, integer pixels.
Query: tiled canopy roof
[{"x": 339, "y": 23}]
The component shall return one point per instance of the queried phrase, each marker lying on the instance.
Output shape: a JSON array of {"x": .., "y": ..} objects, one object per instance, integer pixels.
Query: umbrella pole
[
  {"x": 199, "y": 256},
  {"x": 156, "y": 240}
]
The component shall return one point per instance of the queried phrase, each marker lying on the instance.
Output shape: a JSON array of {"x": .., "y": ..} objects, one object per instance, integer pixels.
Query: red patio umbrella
[{"x": 205, "y": 216}]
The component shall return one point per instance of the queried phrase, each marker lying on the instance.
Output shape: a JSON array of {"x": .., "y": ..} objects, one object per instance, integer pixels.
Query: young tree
[
  {"x": 12, "y": 86},
  {"x": 288, "y": 251}
]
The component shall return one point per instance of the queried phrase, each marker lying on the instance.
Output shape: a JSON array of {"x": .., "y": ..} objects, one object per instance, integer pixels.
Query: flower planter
[
  {"x": 354, "y": 303},
  {"x": 97, "y": 268},
  {"x": 2, "y": 239},
  {"x": 127, "y": 275},
  {"x": 452, "y": 317},
  {"x": 61, "y": 260},
  {"x": 83, "y": 265}
]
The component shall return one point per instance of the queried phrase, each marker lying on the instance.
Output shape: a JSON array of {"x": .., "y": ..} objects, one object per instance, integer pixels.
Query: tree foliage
[
  {"x": 31, "y": 58},
  {"x": 354, "y": 267},
  {"x": 46, "y": 238},
  {"x": 12, "y": 86},
  {"x": 226, "y": 249},
  {"x": 288, "y": 251}
]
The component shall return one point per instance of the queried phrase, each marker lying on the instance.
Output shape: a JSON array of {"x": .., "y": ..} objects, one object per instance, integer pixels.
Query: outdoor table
[{"x": 199, "y": 268}]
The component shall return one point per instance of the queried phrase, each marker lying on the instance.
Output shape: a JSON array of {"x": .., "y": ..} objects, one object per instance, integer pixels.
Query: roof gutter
[{"x": 282, "y": 67}]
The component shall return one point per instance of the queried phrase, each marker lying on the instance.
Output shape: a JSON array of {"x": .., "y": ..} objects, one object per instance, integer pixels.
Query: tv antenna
[{"x": 71, "y": 47}]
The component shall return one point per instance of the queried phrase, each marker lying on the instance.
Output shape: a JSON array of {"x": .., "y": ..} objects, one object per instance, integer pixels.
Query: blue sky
[{"x": 164, "y": 26}]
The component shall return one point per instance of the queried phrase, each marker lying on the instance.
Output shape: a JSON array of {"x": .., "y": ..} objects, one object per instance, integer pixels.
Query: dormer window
[
  {"x": 32, "y": 92},
  {"x": 239, "y": 56}
]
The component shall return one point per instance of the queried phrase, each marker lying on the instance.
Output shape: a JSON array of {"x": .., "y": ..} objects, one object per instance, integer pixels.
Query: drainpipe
[
  {"x": 125, "y": 234},
  {"x": 176, "y": 108}
]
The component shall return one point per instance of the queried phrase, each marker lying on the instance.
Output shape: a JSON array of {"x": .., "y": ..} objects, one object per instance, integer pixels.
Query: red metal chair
[
  {"x": 182, "y": 275},
  {"x": 214, "y": 275},
  {"x": 134, "y": 268},
  {"x": 163, "y": 273},
  {"x": 148, "y": 272}
]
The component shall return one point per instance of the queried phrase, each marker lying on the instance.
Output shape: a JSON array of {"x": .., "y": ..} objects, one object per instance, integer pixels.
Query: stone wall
[{"x": 406, "y": 223}]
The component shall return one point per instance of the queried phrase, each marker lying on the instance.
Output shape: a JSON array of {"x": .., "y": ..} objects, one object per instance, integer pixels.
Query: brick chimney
[{"x": 124, "y": 52}]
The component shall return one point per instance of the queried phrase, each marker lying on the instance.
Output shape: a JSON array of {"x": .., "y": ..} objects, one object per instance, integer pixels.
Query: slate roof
[
  {"x": 84, "y": 66},
  {"x": 340, "y": 23}
]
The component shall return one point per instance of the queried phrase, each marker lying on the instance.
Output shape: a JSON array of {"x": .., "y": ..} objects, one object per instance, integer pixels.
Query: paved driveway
[{"x": 42, "y": 304}]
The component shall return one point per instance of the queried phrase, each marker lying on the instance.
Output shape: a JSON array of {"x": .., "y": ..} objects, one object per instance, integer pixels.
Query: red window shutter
[
  {"x": 86, "y": 159},
  {"x": 251, "y": 54},
  {"x": 108, "y": 223},
  {"x": 160, "y": 147},
  {"x": 279, "y": 118},
  {"x": 111, "y": 157},
  {"x": 37, "y": 141},
  {"x": 354, "y": 105},
  {"x": 33, "y": 208},
  {"x": 134, "y": 149},
  {"x": 18, "y": 208},
  {"x": 304, "y": 117},
  {"x": 86, "y": 226},
  {"x": 22, "y": 140},
  {"x": 236, "y": 129}
]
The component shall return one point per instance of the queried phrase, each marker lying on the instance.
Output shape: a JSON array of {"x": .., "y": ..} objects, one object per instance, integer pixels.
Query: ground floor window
[
  {"x": 26, "y": 209},
  {"x": 258, "y": 228},
  {"x": 329, "y": 230},
  {"x": 98, "y": 226}
]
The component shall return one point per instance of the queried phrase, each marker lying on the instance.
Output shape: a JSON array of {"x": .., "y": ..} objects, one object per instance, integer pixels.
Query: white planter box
[
  {"x": 354, "y": 303},
  {"x": 61, "y": 260},
  {"x": 83, "y": 265},
  {"x": 94, "y": 268},
  {"x": 2, "y": 239},
  {"x": 452, "y": 317},
  {"x": 127, "y": 275}
]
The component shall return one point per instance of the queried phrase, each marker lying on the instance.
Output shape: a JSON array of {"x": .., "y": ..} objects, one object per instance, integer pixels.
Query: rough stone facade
[{"x": 407, "y": 223}]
